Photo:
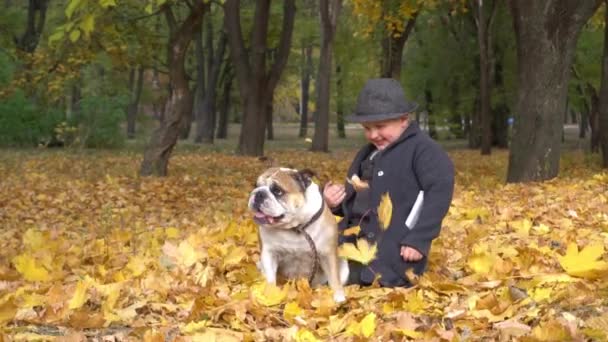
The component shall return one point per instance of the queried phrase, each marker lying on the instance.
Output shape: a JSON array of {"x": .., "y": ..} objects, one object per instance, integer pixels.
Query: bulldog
[{"x": 298, "y": 233}]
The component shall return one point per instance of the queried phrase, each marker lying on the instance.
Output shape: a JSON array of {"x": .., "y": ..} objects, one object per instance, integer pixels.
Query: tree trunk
[
  {"x": 224, "y": 109},
  {"x": 340, "y": 103},
  {"x": 36, "y": 16},
  {"x": 330, "y": 10},
  {"x": 207, "y": 117},
  {"x": 603, "y": 110},
  {"x": 485, "y": 92},
  {"x": 256, "y": 86},
  {"x": 392, "y": 50},
  {"x": 163, "y": 140},
  {"x": 305, "y": 89},
  {"x": 428, "y": 97},
  {"x": 136, "y": 82},
  {"x": 546, "y": 33},
  {"x": 501, "y": 112},
  {"x": 269, "y": 126},
  {"x": 473, "y": 128},
  {"x": 594, "y": 118}
]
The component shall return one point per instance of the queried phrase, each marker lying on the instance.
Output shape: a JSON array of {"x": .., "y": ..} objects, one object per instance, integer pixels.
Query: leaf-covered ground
[{"x": 91, "y": 251}]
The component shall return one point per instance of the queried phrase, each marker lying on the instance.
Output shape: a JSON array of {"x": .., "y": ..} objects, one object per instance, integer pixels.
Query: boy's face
[{"x": 383, "y": 133}]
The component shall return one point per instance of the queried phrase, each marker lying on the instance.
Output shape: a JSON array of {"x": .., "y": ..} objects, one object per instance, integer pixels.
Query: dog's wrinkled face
[{"x": 278, "y": 197}]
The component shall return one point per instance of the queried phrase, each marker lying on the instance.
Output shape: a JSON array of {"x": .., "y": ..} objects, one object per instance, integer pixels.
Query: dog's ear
[{"x": 304, "y": 178}]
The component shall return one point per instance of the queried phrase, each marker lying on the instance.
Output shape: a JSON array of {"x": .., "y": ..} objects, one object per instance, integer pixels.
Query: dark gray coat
[{"x": 412, "y": 163}]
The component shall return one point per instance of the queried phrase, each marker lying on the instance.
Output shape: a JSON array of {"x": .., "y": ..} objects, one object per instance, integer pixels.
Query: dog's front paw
[{"x": 339, "y": 297}]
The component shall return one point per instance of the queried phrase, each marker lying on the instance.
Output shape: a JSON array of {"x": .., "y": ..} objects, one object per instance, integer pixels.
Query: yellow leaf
[
  {"x": 34, "y": 239},
  {"x": 522, "y": 227},
  {"x": 351, "y": 231},
  {"x": 80, "y": 295},
  {"x": 291, "y": 310},
  {"x": 362, "y": 253},
  {"x": 304, "y": 335},
  {"x": 8, "y": 309},
  {"x": 188, "y": 255},
  {"x": 584, "y": 264},
  {"x": 385, "y": 211},
  {"x": 74, "y": 35},
  {"x": 172, "y": 232},
  {"x": 267, "y": 294},
  {"x": 337, "y": 323},
  {"x": 88, "y": 24},
  {"x": 193, "y": 327},
  {"x": 358, "y": 184},
  {"x": 137, "y": 265},
  {"x": 410, "y": 333},
  {"x": 29, "y": 268},
  {"x": 235, "y": 256},
  {"x": 217, "y": 335},
  {"x": 481, "y": 263},
  {"x": 540, "y": 294},
  {"x": 368, "y": 325},
  {"x": 551, "y": 331}
]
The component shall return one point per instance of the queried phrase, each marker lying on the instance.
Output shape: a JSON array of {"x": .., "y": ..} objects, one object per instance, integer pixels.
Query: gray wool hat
[{"x": 381, "y": 99}]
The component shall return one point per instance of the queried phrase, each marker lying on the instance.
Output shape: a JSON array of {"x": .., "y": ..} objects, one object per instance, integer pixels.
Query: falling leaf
[
  {"x": 385, "y": 211},
  {"x": 358, "y": 184},
  {"x": 584, "y": 264},
  {"x": 351, "y": 231},
  {"x": 363, "y": 252}
]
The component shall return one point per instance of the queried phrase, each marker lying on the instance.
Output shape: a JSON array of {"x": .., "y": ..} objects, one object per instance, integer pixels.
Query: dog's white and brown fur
[{"x": 283, "y": 200}]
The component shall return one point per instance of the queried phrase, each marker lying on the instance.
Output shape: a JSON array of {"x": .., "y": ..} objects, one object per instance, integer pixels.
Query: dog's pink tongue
[{"x": 262, "y": 216}]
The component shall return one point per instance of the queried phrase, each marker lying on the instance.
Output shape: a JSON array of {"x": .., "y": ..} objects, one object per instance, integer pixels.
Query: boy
[{"x": 400, "y": 160}]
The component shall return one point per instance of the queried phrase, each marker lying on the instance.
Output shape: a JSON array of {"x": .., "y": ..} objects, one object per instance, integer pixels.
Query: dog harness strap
[{"x": 302, "y": 230}]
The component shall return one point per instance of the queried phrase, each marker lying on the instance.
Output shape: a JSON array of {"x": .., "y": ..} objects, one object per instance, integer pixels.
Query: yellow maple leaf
[
  {"x": 481, "y": 263},
  {"x": 522, "y": 227},
  {"x": 365, "y": 328},
  {"x": 267, "y": 294},
  {"x": 363, "y": 252},
  {"x": 235, "y": 256},
  {"x": 30, "y": 269},
  {"x": 80, "y": 295},
  {"x": 385, "y": 211},
  {"x": 584, "y": 264},
  {"x": 291, "y": 310}
]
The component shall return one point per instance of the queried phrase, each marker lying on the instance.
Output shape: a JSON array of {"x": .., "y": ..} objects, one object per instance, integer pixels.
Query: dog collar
[
  {"x": 301, "y": 229},
  {"x": 315, "y": 217}
]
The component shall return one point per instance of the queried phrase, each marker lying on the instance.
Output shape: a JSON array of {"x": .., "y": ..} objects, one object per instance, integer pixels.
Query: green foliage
[
  {"x": 99, "y": 122},
  {"x": 6, "y": 69},
  {"x": 23, "y": 124}
]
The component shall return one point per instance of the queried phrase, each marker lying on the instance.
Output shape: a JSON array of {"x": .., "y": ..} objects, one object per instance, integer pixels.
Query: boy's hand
[
  {"x": 334, "y": 194},
  {"x": 410, "y": 254}
]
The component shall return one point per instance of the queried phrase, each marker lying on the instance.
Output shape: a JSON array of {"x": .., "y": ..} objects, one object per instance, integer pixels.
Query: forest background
[{"x": 97, "y": 94}]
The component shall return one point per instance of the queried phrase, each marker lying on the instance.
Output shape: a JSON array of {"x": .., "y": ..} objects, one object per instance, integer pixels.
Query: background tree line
[{"x": 499, "y": 73}]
